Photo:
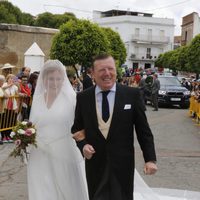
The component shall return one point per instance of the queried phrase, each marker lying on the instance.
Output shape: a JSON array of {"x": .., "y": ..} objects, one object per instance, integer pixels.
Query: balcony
[
  {"x": 144, "y": 57},
  {"x": 147, "y": 39}
]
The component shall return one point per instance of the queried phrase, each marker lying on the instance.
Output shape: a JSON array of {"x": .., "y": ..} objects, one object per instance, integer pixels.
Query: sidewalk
[{"x": 13, "y": 184}]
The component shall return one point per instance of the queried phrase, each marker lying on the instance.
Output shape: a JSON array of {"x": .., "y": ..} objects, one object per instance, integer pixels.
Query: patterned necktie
[{"x": 105, "y": 106}]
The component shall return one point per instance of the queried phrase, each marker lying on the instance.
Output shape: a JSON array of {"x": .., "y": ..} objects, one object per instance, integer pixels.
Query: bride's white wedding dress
[
  {"x": 144, "y": 192},
  {"x": 54, "y": 167}
]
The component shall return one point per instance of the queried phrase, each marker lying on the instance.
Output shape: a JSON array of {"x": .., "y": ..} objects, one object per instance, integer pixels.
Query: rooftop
[{"x": 111, "y": 13}]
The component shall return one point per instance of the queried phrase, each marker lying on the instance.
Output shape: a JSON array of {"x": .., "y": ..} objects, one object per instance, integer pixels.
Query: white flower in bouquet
[
  {"x": 21, "y": 131},
  {"x": 12, "y": 134},
  {"x": 32, "y": 130},
  {"x": 24, "y": 123}
]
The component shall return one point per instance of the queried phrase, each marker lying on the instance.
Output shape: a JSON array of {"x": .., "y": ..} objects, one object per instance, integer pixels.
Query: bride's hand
[{"x": 150, "y": 168}]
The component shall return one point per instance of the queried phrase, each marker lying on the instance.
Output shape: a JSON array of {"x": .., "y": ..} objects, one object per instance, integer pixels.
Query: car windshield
[{"x": 169, "y": 81}]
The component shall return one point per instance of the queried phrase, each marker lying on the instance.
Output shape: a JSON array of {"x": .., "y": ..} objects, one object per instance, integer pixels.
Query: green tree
[
  {"x": 77, "y": 42},
  {"x": 116, "y": 45},
  {"x": 12, "y": 15},
  {"x": 46, "y": 19},
  {"x": 159, "y": 61},
  {"x": 27, "y": 19},
  {"x": 166, "y": 59},
  {"x": 193, "y": 55},
  {"x": 182, "y": 60},
  {"x": 50, "y": 20},
  {"x": 9, "y": 13}
]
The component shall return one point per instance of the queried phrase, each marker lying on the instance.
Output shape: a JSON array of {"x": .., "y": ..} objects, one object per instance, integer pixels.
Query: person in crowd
[
  {"x": 142, "y": 86},
  {"x": 25, "y": 71},
  {"x": 7, "y": 69},
  {"x": 25, "y": 94},
  {"x": 107, "y": 140},
  {"x": 77, "y": 85},
  {"x": 132, "y": 81},
  {"x": 10, "y": 104},
  {"x": 154, "y": 92},
  {"x": 32, "y": 81},
  {"x": 2, "y": 95},
  {"x": 87, "y": 79},
  {"x": 56, "y": 158}
]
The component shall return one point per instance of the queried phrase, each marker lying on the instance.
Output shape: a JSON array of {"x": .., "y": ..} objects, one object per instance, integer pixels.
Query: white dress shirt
[{"x": 110, "y": 97}]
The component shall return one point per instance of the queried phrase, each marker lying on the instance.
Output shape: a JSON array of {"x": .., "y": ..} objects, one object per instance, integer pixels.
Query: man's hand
[
  {"x": 150, "y": 168},
  {"x": 88, "y": 151}
]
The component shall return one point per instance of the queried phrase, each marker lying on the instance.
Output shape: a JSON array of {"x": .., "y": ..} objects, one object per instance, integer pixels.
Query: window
[
  {"x": 185, "y": 35},
  {"x": 148, "y": 54}
]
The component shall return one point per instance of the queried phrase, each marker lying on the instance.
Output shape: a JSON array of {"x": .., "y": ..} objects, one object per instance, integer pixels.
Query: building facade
[
  {"x": 145, "y": 37},
  {"x": 190, "y": 27}
]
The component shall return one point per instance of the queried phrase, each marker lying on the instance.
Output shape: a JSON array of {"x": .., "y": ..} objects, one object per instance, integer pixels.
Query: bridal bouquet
[{"x": 23, "y": 135}]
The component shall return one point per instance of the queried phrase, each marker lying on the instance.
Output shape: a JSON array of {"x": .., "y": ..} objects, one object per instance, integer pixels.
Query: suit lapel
[{"x": 93, "y": 111}]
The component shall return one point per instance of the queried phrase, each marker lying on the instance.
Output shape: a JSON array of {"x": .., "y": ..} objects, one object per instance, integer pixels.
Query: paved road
[{"x": 177, "y": 140}]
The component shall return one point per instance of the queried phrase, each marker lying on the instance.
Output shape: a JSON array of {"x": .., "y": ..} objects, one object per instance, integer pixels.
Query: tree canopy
[
  {"x": 77, "y": 42},
  {"x": 193, "y": 54},
  {"x": 50, "y": 20},
  {"x": 184, "y": 58},
  {"x": 13, "y": 15},
  {"x": 9, "y": 13}
]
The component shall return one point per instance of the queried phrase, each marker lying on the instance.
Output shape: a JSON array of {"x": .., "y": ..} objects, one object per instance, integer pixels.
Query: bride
[{"x": 55, "y": 168}]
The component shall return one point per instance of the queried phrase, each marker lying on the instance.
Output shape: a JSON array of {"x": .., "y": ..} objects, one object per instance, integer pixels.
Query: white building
[
  {"x": 34, "y": 58},
  {"x": 145, "y": 37}
]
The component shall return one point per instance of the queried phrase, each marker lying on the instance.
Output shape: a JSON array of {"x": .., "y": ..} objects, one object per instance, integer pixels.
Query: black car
[{"x": 172, "y": 92}]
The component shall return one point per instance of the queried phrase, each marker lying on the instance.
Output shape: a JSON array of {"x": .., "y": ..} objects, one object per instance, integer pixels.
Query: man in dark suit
[
  {"x": 154, "y": 92},
  {"x": 87, "y": 79},
  {"x": 108, "y": 138}
]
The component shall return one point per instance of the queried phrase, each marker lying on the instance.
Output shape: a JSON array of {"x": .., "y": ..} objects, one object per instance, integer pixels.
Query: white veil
[{"x": 41, "y": 88}]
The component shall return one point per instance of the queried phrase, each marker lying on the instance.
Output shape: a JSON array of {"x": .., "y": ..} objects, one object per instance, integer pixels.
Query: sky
[{"x": 174, "y": 9}]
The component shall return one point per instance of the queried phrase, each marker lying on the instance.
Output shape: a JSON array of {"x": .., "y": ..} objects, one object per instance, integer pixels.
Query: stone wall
[{"x": 16, "y": 39}]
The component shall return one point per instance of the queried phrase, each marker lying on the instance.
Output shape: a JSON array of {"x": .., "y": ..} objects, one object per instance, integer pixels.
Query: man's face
[
  {"x": 104, "y": 73},
  {"x": 24, "y": 81},
  {"x": 27, "y": 71}
]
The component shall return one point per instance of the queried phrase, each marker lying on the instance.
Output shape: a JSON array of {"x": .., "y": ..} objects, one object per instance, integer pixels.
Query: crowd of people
[{"x": 16, "y": 92}]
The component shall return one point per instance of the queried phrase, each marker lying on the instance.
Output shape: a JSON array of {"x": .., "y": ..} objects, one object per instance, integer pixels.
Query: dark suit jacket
[
  {"x": 87, "y": 82},
  {"x": 117, "y": 151}
]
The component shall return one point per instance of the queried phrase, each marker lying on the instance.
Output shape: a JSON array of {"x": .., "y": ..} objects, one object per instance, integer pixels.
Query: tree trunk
[{"x": 75, "y": 71}]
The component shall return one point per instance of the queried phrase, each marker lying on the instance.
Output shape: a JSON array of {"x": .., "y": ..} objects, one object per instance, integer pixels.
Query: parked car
[{"x": 172, "y": 92}]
